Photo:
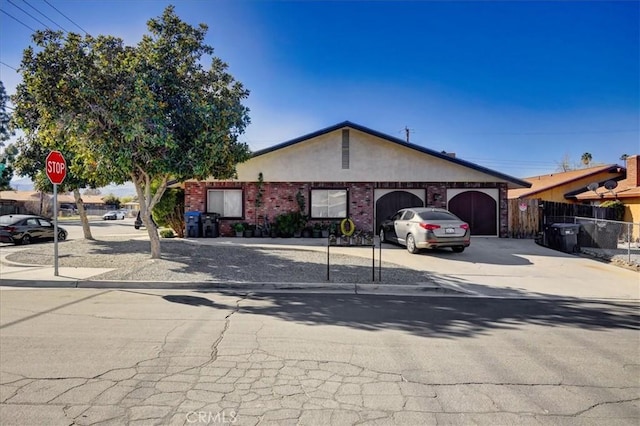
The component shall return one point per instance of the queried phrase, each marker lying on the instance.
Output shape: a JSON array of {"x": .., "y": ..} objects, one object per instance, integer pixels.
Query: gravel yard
[{"x": 185, "y": 261}]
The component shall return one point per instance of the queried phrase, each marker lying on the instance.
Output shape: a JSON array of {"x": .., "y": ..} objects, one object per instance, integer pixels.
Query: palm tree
[
  {"x": 586, "y": 159},
  {"x": 624, "y": 157}
]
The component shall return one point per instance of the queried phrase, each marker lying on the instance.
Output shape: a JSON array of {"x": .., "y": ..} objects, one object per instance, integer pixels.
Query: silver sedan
[{"x": 426, "y": 227}]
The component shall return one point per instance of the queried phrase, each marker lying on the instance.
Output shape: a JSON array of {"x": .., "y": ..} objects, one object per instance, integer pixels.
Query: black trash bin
[
  {"x": 564, "y": 237},
  {"x": 210, "y": 225},
  {"x": 587, "y": 237},
  {"x": 193, "y": 224}
]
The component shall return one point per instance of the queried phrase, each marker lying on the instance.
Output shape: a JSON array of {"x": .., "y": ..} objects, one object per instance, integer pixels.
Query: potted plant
[
  {"x": 317, "y": 230},
  {"x": 307, "y": 232},
  {"x": 286, "y": 224},
  {"x": 248, "y": 230},
  {"x": 238, "y": 228},
  {"x": 324, "y": 230}
]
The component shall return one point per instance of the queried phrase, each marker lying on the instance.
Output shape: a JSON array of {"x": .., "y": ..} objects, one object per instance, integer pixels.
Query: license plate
[{"x": 449, "y": 230}]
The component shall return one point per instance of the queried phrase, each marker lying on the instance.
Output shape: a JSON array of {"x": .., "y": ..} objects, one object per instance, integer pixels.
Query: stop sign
[{"x": 56, "y": 167}]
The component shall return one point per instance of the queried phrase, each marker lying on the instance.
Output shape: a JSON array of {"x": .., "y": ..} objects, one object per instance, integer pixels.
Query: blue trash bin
[{"x": 193, "y": 224}]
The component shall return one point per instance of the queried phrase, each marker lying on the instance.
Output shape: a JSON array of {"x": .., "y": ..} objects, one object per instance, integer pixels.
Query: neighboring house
[
  {"x": 627, "y": 191},
  {"x": 571, "y": 187},
  {"x": 26, "y": 201},
  {"x": 348, "y": 170},
  {"x": 37, "y": 202},
  {"x": 562, "y": 186}
]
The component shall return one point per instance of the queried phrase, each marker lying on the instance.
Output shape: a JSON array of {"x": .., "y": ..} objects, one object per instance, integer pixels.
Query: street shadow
[{"x": 440, "y": 317}]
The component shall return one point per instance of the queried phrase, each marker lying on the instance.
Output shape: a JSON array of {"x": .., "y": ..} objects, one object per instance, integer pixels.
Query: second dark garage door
[{"x": 478, "y": 210}]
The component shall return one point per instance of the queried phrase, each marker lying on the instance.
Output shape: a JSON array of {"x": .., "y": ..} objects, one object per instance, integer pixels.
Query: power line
[
  {"x": 52, "y": 21},
  {"x": 28, "y": 14},
  {"x": 69, "y": 19},
  {"x": 584, "y": 132},
  {"x": 8, "y": 66},
  {"x": 17, "y": 20}
]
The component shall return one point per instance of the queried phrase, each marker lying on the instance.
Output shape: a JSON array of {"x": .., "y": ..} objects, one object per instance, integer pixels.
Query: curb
[{"x": 341, "y": 288}]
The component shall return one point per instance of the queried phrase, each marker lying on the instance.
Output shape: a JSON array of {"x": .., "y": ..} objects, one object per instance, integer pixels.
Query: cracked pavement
[{"x": 95, "y": 357}]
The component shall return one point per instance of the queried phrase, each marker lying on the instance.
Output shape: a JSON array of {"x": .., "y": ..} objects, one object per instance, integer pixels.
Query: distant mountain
[{"x": 22, "y": 184}]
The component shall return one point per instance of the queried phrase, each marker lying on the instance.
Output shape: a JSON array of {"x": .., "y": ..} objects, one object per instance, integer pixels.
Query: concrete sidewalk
[{"x": 491, "y": 267}]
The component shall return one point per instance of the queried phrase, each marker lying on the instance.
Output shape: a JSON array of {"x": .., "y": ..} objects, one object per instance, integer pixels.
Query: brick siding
[{"x": 281, "y": 197}]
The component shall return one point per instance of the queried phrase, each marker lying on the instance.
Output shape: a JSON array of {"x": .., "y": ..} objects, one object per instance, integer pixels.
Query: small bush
[{"x": 166, "y": 233}]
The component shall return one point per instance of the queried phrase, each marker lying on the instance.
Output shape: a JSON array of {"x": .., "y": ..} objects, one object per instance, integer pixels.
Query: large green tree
[
  {"x": 48, "y": 108},
  {"x": 166, "y": 116},
  {"x": 150, "y": 113}
]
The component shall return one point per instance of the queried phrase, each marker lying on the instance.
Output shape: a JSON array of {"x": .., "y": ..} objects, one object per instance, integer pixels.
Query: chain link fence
[{"x": 610, "y": 239}]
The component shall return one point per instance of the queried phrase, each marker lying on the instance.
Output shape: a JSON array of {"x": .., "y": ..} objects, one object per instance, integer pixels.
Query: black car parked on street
[{"x": 25, "y": 228}]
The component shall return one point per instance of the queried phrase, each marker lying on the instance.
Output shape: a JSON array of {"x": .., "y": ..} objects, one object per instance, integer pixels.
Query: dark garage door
[
  {"x": 478, "y": 210},
  {"x": 390, "y": 203}
]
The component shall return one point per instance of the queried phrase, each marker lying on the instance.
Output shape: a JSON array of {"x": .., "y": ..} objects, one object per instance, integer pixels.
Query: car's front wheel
[
  {"x": 411, "y": 244},
  {"x": 62, "y": 235},
  {"x": 26, "y": 239}
]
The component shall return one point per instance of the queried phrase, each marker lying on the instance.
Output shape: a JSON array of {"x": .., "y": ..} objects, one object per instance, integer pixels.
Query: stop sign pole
[{"x": 56, "y": 169}]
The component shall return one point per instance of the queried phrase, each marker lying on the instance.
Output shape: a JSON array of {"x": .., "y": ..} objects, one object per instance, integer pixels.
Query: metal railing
[{"x": 609, "y": 238}]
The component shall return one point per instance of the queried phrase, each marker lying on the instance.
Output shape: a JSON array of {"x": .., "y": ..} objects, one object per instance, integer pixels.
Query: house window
[
  {"x": 226, "y": 202},
  {"x": 328, "y": 203}
]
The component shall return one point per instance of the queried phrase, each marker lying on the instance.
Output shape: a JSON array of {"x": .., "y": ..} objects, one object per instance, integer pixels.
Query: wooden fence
[{"x": 529, "y": 216}]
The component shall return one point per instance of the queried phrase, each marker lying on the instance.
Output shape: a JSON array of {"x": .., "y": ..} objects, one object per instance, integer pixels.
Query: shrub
[
  {"x": 166, "y": 233},
  {"x": 170, "y": 211},
  {"x": 617, "y": 205}
]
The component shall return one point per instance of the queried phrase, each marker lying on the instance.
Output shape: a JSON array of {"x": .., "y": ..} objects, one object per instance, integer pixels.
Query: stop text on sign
[{"x": 56, "y": 168}]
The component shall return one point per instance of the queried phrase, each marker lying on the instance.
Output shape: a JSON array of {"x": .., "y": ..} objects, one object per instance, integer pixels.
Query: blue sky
[{"x": 514, "y": 86}]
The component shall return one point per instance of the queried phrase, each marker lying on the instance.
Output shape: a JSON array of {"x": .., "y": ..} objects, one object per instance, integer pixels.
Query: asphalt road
[{"x": 79, "y": 356}]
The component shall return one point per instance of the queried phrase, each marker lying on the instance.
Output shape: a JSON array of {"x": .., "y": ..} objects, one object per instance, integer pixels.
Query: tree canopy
[{"x": 150, "y": 113}]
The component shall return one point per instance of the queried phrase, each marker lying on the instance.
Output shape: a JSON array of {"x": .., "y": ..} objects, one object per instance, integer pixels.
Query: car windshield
[{"x": 437, "y": 215}]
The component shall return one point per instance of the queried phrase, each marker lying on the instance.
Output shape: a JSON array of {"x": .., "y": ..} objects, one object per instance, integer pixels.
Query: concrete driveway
[{"x": 513, "y": 268}]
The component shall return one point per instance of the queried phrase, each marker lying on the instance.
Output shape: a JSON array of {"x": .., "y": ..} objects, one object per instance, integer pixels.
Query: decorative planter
[
  {"x": 317, "y": 233},
  {"x": 248, "y": 233}
]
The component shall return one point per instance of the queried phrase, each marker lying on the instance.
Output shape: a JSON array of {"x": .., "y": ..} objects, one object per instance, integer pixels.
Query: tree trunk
[
  {"x": 86, "y": 230},
  {"x": 142, "y": 183},
  {"x": 154, "y": 239}
]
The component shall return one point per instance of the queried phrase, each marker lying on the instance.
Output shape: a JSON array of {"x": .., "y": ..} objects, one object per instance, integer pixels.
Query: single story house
[
  {"x": 627, "y": 190},
  {"x": 348, "y": 170},
  {"x": 561, "y": 187},
  {"x": 36, "y": 202}
]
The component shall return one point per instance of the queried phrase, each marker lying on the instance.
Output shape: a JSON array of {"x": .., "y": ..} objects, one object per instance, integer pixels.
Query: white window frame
[
  {"x": 327, "y": 206},
  {"x": 228, "y": 195}
]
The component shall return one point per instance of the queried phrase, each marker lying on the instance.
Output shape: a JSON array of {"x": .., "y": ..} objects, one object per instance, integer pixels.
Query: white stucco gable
[{"x": 352, "y": 153}]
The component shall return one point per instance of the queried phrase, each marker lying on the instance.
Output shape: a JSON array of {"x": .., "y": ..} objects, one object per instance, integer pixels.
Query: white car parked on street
[{"x": 113, "y": 215}]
